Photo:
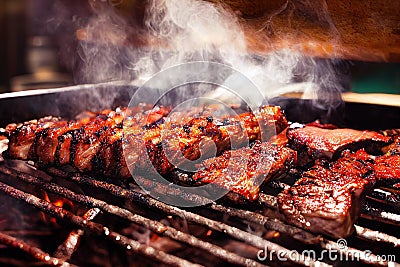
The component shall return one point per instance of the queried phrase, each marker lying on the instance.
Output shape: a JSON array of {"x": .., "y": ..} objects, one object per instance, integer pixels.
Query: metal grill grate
[{"x": 86, "y": 223}]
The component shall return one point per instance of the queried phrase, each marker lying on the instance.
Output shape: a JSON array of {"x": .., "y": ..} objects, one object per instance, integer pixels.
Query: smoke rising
[{"x": 182, "y": 31}]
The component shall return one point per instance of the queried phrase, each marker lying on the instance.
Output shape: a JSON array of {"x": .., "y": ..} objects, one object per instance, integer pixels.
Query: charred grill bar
[
  {"x": 160, "y": 229},
  {"x": 36, "y": 253},
  {"x": 155, "y": 226}
]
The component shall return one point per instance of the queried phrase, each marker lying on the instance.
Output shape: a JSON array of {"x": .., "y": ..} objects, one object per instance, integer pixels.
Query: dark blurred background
[
  {"x": 39, "y": 38},
  {"x": 29, "y": 50}
]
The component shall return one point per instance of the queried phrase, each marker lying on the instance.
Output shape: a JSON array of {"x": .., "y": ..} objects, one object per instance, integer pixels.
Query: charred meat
[
  {"x": 171, "y": 145},
  {"x": 317, "y": 142},
  {"x": 327, "y": 199},
  {"x": 242, "y": 171},
  {"x": 113, "y": 143},
  {"x": 393, "y": 148},
  {"x": 22, "y": 136},
  {"x": 320, "y": 207},
  {"x": 387, "y": 167}
]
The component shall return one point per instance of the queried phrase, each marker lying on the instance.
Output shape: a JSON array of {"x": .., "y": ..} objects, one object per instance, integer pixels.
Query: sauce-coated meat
[
  {"x": 329, "y": 143},
  {"x": 327, "y": 198},
  {"x": 115, "y": 143},
  {"x": 242, "y": 171}
]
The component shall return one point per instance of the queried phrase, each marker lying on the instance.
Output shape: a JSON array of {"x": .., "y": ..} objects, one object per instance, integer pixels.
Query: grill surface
[
  {"x": 390, "y": 242},
  {"x": 106, "y": 205}
]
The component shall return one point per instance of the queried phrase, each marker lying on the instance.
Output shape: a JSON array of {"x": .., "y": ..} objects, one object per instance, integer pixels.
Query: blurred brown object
[
  {"x": 351, "y": 29},
  {"x": 12, "y": 40}
]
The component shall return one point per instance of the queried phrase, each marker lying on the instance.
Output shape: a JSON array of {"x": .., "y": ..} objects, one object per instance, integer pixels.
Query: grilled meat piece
[
  {"x": 327, "y": 199},
  {"x": 177, "y": 146},
  {"x": 317, "y": 142},
  {"x": 321, "y": 207},
  {"x": 22, "y": 136},
  {"x": 393, "y": 148},
  {"x": 387, "y": 169},
  {"x": 51, "y": 141},
  {"x": 391, "y": 132},
  {"x": 280, "y": 139},
  {"x": 242, "y": 171},
  {"x": 101, "y": 144},
  {"x": 351, "y": 165}
]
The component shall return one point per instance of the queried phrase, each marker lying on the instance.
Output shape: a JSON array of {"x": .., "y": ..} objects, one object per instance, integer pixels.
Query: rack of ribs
[{"x": 114, "y": 143}]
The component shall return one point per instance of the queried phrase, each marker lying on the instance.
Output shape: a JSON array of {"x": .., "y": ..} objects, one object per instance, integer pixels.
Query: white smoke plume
[{"x": 192, "y": 30}]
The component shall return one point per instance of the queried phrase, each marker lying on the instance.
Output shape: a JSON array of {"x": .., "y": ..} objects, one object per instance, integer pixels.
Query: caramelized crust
[
  {"x": 21, "y": 136},
  {"x": 357, "y": 165},
  {"x": 327, "y": 198},
  {"x": 110, "y": 141},
  {"x": 393, "y": 148},
  {"x": 242, "y": 171},
  {"x": 321, "y": 207},
  {"x": 387, "y": 168},
  {"x": 172, "y": 146},
  {"x": 81, "y": 143},
  {"x": 329, "y": 143}
]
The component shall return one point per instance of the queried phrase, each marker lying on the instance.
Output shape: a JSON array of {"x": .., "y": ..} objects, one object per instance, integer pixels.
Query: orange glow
[
  {"x": 59, "y": 202},
  {"x": 81, "y": 34},
  {"x": 276, "y": 235},
  {"x": 209, "y": 232},
  {"x": 46, "y": 197},
  {"x": 154, "y": 237}
]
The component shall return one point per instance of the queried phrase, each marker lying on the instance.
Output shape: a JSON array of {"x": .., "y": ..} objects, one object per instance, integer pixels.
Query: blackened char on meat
[
  {"x": 327, "y": 198},
  {"x": 387, "y": 167},
  {"x": 21, "y": 136},
  {"x": 242, "y": 171},
  {"x": 106, "y": 143}
]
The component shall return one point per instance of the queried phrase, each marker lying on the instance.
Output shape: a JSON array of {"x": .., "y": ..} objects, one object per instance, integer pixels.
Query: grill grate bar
[
  {"x": 395, "y": 191},
  {"x": 135, "y": 196},
  {"x": 128, "y": 244},
  {"x": 386, "y": 196},
  {"x": 269, "y": 223},
  {"x": 154, "y": 226},
  {"x": 234, "y": 232},
  {"x": 71, "y": 244},
  {"x": 273, "y": 224},
  {"x": 377, "y": 236},
  {"x": 381, "y": 216},
  {"x": 35, "y": 252},
  {"x": 377, "y": 214}
]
